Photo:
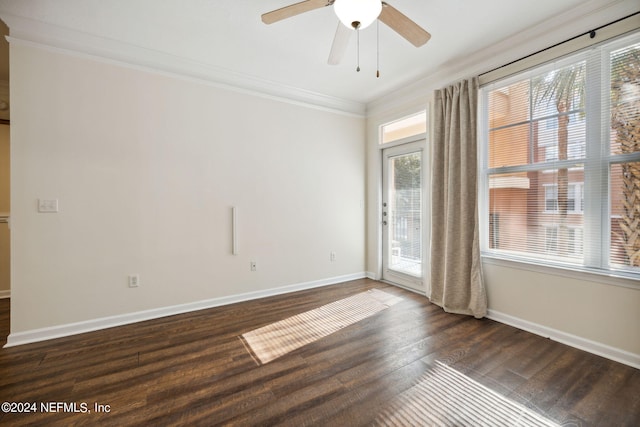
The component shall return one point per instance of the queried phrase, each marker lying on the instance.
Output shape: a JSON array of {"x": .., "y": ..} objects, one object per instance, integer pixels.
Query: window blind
[{"x": 560, "y": 166}]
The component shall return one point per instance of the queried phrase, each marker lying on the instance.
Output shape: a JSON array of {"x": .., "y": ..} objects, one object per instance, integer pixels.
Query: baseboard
[
  {"x": 594, "y": 347},
  {"x": 42, "y": 334},
  {"x": 5, "y": 294}
]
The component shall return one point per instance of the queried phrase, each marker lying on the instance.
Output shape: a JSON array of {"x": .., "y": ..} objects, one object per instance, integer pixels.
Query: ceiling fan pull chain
[
  {"x": 358, "y": 48},
  {"x": 377, "y": 49}
]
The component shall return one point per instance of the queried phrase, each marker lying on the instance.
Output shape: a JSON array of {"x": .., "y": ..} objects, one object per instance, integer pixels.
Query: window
[
  {"x": 413, "y": 125},
  {"x": 551, "y": 198},
  {"x": 575, "y": 198},
  {"x": 573, "y": 241},
  {"x": 560, "y": 162}
]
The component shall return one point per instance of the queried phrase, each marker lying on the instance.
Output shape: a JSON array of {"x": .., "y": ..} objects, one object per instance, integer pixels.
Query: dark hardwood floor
[{"x": 192, "y": 369}]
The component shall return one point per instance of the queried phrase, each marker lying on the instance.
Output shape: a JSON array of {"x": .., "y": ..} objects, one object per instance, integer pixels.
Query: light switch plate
[
  {"x": 134, "y": 280},
  {"x": 48, "y": 205}
]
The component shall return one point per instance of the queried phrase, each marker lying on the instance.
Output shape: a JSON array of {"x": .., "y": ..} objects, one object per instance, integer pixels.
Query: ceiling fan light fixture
[{"x": 357, "y": 14}]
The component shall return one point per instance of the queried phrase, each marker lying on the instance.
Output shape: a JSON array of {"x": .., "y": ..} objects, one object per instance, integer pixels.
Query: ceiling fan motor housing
[{"x": 357, "y": 14}]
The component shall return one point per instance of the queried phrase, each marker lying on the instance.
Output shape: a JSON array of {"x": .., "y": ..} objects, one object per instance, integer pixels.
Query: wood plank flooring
[{"x": 192, "y": 369}]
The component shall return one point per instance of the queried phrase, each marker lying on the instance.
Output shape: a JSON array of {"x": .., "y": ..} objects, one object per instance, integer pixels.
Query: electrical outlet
[
  {"x": 332, "y": 256},
  {"x": 252, "y": 265},
  {"x": 47, "y": 206},
  {"x": 134, "y": 280}
]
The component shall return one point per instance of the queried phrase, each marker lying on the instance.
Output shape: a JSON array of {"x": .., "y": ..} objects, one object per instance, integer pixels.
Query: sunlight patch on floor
[
  {"x": 277, "y": 339},
  {"x": 446, "y": 397}
]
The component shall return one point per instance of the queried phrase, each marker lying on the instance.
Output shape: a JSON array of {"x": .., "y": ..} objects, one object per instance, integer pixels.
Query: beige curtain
[{"x": 456, "y": 273}]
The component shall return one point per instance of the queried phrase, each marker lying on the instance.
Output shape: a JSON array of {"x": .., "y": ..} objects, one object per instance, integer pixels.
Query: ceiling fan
[{"x": 354, "y": 15}]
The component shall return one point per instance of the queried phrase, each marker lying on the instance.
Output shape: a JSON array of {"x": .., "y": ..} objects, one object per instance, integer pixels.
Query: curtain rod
[{"x": 591, "y": 33}]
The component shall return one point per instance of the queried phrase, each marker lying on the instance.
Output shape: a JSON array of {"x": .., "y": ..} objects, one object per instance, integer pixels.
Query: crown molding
[
  {"x": 25, "y": 31},
  {"x": 591, "y": 14}
]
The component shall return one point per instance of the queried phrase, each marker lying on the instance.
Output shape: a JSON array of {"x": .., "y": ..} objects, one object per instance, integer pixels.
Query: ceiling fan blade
[
  {"x": 293, "y": 10},
  {"x": 339, "y": 46},
  {"x": 402, "y": 25}
]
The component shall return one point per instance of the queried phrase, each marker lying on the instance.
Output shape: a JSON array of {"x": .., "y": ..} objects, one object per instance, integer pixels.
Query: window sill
[{"x": 614, "y": 278}]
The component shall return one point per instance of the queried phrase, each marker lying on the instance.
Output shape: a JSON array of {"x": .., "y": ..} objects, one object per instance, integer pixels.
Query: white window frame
[
  {"x": 596, "y": 211},
  {"x": 407, "y": 139}
]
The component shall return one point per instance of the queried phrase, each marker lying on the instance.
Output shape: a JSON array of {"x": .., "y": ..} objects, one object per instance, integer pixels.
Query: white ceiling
[{"x": 228, "y": 35}]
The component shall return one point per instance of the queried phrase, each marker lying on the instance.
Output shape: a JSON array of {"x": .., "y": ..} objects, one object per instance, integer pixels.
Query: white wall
[
  {"x": 146, "y": 168},
  {"x": 591, "y": 314},
  {"x": 603, "y": 313}
]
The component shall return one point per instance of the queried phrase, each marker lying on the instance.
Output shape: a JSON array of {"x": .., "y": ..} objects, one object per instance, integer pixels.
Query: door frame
[{"x": 410, "y": 145}]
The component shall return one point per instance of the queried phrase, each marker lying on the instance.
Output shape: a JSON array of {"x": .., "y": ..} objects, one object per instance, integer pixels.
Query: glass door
[{"x": 402, "y": 216}]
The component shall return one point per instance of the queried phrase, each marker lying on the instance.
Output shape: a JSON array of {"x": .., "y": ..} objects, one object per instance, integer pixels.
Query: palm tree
[
  {"x": 565, "y": 88},
  {"x": 625, "y": 121}
]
